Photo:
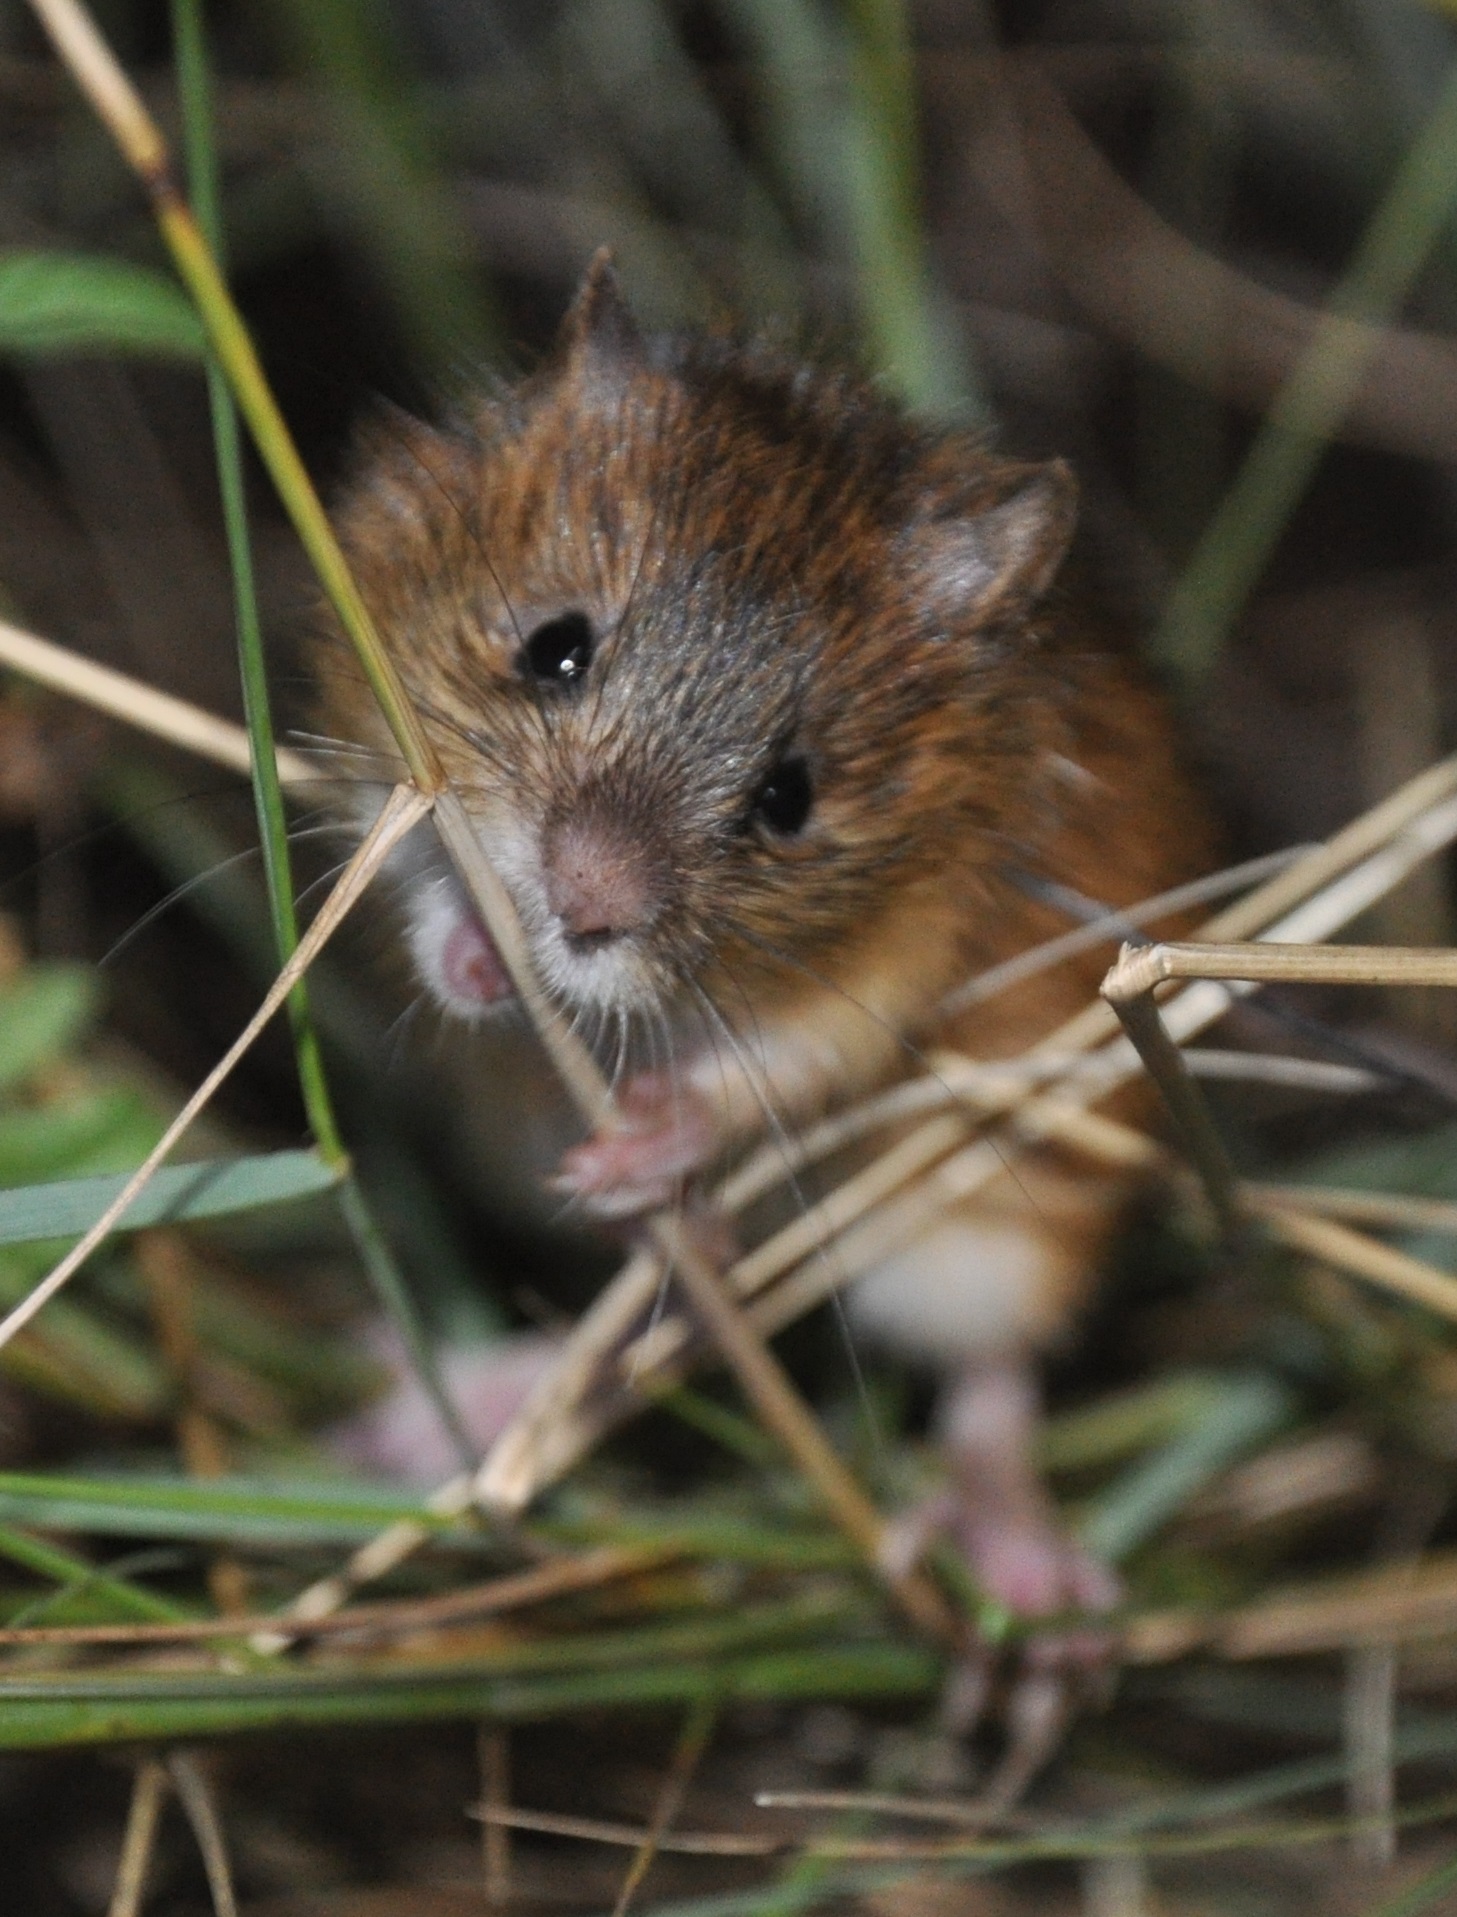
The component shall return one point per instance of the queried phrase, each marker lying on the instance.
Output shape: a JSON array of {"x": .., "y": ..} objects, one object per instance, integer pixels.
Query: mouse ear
[
  {"x": 599, "y": 324},
  {"x": 997, "y": 559}
]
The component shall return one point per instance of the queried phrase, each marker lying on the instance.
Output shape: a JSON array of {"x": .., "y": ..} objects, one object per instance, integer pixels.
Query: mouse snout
[{"x": 602, "y": 881}]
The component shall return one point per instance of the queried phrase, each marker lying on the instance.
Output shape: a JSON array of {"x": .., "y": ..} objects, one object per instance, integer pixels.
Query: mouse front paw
[{"x": 666, "y": 1134}]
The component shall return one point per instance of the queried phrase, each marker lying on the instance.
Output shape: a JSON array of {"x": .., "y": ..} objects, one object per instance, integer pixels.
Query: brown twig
[{"x": 557, "y": 1578}]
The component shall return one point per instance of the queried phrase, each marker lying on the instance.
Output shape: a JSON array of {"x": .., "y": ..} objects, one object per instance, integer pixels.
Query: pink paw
[
  {"x": 400, "y": 1435},
  {"x": 1024, "y": 1563},
  {"x": 666, "y": 1134},
  {"x": 1035, "y": 1570}
]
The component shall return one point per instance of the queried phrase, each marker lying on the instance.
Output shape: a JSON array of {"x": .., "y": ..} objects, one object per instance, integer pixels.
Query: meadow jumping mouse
[{"x": 766, "y": 701}]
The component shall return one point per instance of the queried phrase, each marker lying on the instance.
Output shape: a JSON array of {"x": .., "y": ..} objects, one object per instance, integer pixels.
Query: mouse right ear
[
  {"x": 599, "y": 326},
  {"x": 994, "y": 560}
]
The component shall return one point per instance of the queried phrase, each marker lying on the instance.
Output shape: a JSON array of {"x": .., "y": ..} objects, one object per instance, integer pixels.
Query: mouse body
[{"x": 766, "y": 700}]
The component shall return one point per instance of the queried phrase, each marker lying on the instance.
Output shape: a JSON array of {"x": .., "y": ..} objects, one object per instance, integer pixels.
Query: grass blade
[
  {"x": 1240, "y": 538},
  {"x": 88, "y": 303},
  {"x": 178, "y": 1194}
]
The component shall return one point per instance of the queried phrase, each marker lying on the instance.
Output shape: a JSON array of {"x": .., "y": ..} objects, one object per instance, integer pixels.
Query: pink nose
[{"x": 601, "y": 881}]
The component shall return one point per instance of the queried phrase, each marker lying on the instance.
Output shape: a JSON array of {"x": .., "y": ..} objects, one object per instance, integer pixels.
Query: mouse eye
[
  {"x": 560, "y": 649},
  {"x": 785, "y": 799}
]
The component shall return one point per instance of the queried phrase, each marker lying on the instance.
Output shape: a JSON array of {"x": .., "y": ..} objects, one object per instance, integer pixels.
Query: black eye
[
  {"x": 784, "y": 801},
  {"x": 559, "y": 649}
]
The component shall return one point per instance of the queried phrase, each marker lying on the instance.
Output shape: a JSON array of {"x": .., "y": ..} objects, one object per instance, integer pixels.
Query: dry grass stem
[
  {"x": 158, "y": 714},
  {"x": 1115, "y": 925},
  {"x": 1142, "y": 967},
  {"x": 575, "y": 1065},
  {"x": 114, "y": 99},
  {"x": 1369, "y": 1714},
  {"x": 1130, "y": 987},
  {"x": 150, "y": 1786},
  {"x": 199, "y": 1802},
  {"x": 674, "y": 1788},
  {"x": 593, "y": 1830},
  {"x": 1336, "y": 1244},
  {"x": 499, "y": 1596},
  {"x": 493, "y": 1760},
  {"x": 1390, "y": 1606},
  {"x": 387, "y": 1549},
  {"x": 1394, "y": 1209},
  {"x": 401, "y": 812},
  {"x": 966, "y": 1811}
]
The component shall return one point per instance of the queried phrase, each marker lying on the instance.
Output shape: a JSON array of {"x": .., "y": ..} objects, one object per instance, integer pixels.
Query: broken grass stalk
[{"x": 1130, "y": 986}]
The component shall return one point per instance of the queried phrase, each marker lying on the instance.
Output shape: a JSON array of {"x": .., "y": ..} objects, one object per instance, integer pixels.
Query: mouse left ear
[
  {"x": 599, "y": 325},
  {"x": 996, "y": 560}
]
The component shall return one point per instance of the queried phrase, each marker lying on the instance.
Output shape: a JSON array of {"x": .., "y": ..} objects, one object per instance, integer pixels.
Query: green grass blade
[
  {"x": 1233, "y": 551},
  {"x": 129, "y": 1601},
  {"x": 194, "y": 83},
  {"x": 41, "y": 1713},
  {"x": 839, "y": 122},
  {"x": 178, "y": 1194},
  {"x": 370, "y": 1242},
  {"x": 85, "y": 303},
  {"x": 386, "y": 176},
  {"x": 1237, "y": 1414},
  {"x": 229, "y": 1510}
]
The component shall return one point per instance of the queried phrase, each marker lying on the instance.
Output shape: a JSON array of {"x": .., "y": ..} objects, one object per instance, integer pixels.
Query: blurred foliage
[{"x": 1203, "y": 247}]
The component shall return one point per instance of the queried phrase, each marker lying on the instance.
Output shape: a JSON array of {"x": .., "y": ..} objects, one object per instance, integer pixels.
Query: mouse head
[{"x": 725, "y": 655}]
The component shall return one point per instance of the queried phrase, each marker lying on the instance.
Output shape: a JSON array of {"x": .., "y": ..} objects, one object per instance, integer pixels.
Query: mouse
[{"x": 778, "y": 716}]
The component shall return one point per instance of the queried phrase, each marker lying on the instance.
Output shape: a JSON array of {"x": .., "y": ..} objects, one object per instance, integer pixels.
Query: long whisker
[
  {"x": 78, "y": 841},
  {"x": 198, "y": 879},
  {"x": 826, "y": 1253},
  {"x": 756, "y": 1076},
  {"x": 1105, "y": 925}
]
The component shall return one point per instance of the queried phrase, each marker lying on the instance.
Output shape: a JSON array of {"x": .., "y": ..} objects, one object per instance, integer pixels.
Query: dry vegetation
[{"x": 1204, "y": 250}]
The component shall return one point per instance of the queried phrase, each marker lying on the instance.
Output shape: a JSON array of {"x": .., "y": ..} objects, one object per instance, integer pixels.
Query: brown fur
[{"x": 774, "y": 560}]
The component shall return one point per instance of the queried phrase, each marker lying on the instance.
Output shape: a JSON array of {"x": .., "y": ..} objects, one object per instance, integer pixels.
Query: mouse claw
[{"x": 666, "y": 1133}]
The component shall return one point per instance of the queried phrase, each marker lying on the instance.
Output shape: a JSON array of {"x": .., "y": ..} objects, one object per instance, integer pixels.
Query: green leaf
[
  {"x": 120, "y": 1597},
  {"x": 178, "y": 1193},
  {"x": 41, "y": 1014},
  {"x": 77, "y": 302},
  {"x": 1240, "y": 1410},
  {"x": 231, "y": 1510},
  {"x": 36, "y": 1712}
]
